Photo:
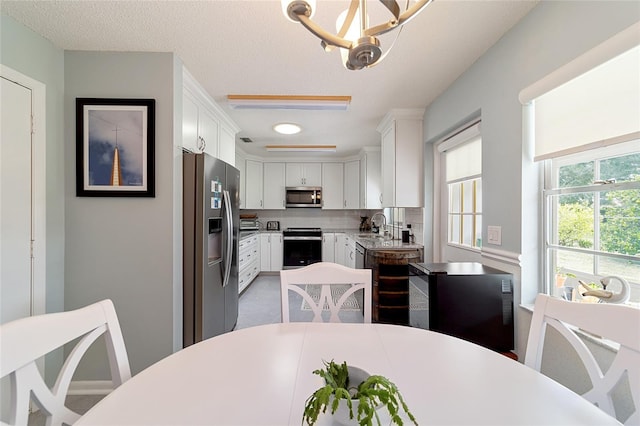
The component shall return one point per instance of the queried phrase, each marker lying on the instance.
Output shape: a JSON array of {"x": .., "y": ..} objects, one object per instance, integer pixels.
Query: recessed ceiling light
[{"x": 287, "y": 128}]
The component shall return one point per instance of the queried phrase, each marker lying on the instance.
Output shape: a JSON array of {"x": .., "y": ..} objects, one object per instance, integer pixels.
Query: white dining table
[{"x": 263, "y": 375}]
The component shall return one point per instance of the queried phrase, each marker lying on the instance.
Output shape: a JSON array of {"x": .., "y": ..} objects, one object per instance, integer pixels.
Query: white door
[{"x": 16, "y": 217}]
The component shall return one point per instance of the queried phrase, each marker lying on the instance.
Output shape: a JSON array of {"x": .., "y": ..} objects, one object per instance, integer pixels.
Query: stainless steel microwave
[{"x": 304, "y": 196}]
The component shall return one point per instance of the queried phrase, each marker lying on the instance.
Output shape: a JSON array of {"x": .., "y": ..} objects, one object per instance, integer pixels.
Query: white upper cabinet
[
  {"x": 304, "y": 174},
  {"x": 332, "y": 186},
  {"x": 402, "y": 158},
  {"x": 205, "y": 126},
  {"x": 253, "y": 184},
  {"x": 208, "y": 132},
  {"x": 190, "y": 137},
  {"x": 370, "y": 189},
  {"x": 352, "y": 185},
  {"x": 227, "y": 144},
  {"x": 241, "y": 166},
  {"x": 274, "y": 183}
]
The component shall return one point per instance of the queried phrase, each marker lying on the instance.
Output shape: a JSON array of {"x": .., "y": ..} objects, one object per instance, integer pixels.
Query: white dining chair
[
  {"x": 322, "y": 277},
  {"x": 619, "y": 324},
  {"x": 24, "y": 341}
]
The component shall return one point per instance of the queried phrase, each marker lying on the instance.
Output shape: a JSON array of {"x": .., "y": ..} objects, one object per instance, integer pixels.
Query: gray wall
[
  {"x": 551, "y": 35},
  {"x": 25, "y": 51},
  {"x": 123, "y": 248}
]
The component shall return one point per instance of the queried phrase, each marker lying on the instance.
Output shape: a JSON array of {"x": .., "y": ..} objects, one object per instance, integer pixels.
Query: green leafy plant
[{"x": 371, "y": 394}]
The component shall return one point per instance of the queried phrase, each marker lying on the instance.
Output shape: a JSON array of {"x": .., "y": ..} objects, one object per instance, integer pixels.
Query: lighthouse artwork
[{"x": 115, "y": 147}]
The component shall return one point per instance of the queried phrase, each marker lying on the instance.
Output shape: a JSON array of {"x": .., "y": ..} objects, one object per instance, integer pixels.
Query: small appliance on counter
[
  {"x": 273, "y": 225},
  {"x": 249, "y": 222}
]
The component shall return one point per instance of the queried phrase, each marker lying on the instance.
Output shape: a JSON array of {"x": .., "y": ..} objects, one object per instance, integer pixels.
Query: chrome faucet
[{"x": 384, "y": 221}]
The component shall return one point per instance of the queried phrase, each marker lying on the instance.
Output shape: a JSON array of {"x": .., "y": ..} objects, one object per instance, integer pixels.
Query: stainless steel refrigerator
[{"x": 210, "y": 247}]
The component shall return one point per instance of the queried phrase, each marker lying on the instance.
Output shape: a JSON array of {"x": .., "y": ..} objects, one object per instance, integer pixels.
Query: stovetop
[{"x": 303, "y": 231}]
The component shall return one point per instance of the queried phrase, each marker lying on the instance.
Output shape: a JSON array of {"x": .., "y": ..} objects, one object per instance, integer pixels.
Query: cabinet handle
[
  {"x": 345, "y": 203},
  {"x": 260, "y": 203},
  {"x": 380, "y": 198}
]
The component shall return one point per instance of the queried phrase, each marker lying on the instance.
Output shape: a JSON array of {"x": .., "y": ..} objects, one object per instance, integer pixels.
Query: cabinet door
[
  {"x": 389, "y": 166},
  {"x": 352, "y": 185},
  {"x": 240, "y": 165},
  {"x": 227, "y": 145},
  {"x": 304, "y": 174},
  {"x": 328, "y": 247},
  {"x": 294, "y": 175},
  {"x": 253, "y": 184},
  {"x": 341, "y": 240},
  {"x": 312, "y": 173},
  {"x": 190, "y": 123},
  {"x": 208, "y": 131},
  {"x": 332, "y": 186},
  {"x": 276, "y": 252},
  {"x": 370, "y": 190},
  {"x": 351, "y": 256},
  {"x": 265, "y": 252},
  {"x": 274, "y": 182}
]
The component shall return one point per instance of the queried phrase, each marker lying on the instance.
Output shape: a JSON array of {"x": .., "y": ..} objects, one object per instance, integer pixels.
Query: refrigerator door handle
[{"x": 226, "y": 201}]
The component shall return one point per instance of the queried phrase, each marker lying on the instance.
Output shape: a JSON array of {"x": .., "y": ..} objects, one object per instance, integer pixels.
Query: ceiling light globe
[{"x": 287, "y": 128}]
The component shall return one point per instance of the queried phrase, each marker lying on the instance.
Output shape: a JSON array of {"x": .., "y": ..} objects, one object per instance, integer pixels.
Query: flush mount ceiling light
[
  {"x": 301, "y": 148},
  {"x": 359, "y": 43},
  {"x": 287, "y": 128},
  {"x": 299, "y": 102}
]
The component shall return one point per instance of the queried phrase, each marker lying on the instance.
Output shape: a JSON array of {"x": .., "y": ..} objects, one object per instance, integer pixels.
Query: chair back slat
[
  {"x": 26, "y": 340},
  {"x": 325, "y": 275},
  {"x": 618, "y": 324}
]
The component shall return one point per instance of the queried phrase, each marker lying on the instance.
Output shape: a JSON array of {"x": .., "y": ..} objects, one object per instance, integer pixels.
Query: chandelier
[{"x": 358, "y": 43}]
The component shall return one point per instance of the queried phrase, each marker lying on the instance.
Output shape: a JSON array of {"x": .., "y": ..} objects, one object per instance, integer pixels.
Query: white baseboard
[{"x": 90, "y": 387}]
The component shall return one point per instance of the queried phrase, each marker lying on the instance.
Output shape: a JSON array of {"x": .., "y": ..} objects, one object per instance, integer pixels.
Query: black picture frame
[{"x": 115, "y": 147}]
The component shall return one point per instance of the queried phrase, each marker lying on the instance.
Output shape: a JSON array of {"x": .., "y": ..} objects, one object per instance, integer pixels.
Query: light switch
[{"x": 494, "y": 235}]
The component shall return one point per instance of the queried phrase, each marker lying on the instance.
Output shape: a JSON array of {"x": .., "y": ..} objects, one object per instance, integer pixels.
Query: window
[
  {"x": 592, "y": 205},
  {"x": 464, "y": 187}
]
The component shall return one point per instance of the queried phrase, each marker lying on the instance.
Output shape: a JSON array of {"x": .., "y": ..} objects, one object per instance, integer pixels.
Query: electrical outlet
[{"x": 494, "y": 235}]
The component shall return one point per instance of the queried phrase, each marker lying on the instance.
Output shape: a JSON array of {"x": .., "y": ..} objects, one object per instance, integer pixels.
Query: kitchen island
[{"x": 389, "y": 261}]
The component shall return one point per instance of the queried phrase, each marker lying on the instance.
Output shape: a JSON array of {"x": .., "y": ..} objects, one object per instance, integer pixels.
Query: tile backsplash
[{"x": 332, "y": 219}]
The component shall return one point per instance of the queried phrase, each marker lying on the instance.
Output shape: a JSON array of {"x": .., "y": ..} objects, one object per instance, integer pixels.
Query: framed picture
[{"x": 115, "y": 147}]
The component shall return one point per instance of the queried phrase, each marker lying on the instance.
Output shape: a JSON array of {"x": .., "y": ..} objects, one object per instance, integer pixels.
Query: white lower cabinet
[
  {"x": 341, "y": 241},
  {"x": 328, "y": 247},
  {"x": 271, "y": 251},
  {"x": 248, "y": 260},
  {"x": 349, "y": 252}
]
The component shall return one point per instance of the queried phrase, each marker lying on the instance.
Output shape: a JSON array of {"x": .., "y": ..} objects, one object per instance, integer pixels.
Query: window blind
[{"x": 598, "y": 108}]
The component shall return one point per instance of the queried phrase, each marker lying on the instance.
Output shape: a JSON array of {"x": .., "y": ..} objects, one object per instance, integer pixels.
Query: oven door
[{"x": 301, "y": 251}]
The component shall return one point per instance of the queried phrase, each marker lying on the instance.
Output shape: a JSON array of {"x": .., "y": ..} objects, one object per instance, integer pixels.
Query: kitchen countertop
[
  {"x": 372, "y": 241},
  {"x": 368, "y": 240}
]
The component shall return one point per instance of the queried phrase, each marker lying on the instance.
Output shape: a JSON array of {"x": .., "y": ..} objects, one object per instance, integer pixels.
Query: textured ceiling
[{"x": 248, "y": 47}]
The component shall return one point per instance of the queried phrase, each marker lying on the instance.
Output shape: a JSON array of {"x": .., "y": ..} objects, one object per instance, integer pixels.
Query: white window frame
[
  {"x": 458, "y": 137},
  {"x": 550, "y": 208}
]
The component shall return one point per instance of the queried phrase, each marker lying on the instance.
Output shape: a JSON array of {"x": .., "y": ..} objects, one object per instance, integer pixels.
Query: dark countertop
[{"x": 453, "y": 268}]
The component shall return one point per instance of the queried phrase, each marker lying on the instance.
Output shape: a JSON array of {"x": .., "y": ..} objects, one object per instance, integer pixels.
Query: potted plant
[
  {"x": 561, "y": 277},
  {"x": 355, "y": 393}
]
